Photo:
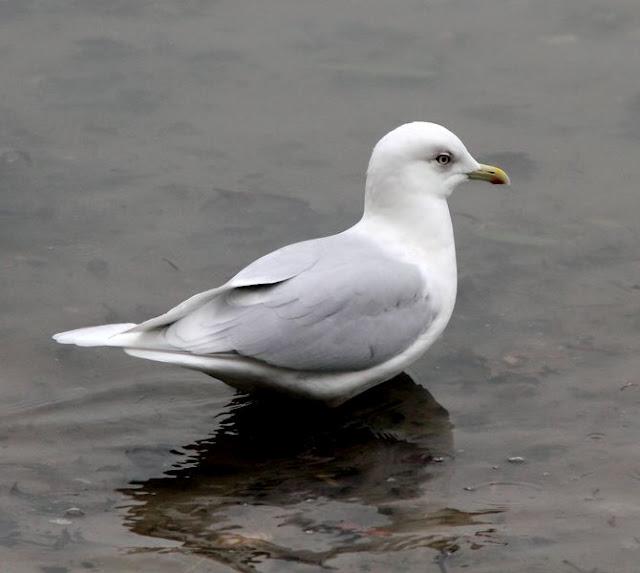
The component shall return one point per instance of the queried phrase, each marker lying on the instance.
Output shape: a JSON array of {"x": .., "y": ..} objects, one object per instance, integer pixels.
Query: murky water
[{"x": 149, "y": 149}]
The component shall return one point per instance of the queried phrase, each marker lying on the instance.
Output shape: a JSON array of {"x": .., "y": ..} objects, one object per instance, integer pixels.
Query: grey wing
[
  {"x": 275, "y": 267},
  {"x": 351, "y": 310}
]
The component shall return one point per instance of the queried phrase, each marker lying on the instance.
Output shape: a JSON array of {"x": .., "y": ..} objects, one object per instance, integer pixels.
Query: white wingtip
[{"x": 92, "y": 335}]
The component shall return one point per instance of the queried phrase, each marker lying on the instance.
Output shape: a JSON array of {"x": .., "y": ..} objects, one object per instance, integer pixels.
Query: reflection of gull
[
  {"x": 370, "y": 476},
  {"x": 350, "y": 476},
  {"x": 331, "y": 317}
]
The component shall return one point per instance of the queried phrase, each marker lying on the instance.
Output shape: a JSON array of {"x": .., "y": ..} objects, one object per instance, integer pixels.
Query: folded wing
[{"x": 333, "y": 304}]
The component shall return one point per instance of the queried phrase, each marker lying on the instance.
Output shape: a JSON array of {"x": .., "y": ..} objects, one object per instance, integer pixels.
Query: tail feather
[
  {"x": 92, "y": 335},
  {"x": 112, "y": 335}
]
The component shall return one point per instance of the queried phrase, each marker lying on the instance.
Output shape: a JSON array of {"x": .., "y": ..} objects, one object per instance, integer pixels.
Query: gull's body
[{"x": 329, "y": 318}]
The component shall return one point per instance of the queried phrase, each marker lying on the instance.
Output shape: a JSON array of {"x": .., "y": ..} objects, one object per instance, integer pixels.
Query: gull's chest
[{"x": 440, "y": 280}]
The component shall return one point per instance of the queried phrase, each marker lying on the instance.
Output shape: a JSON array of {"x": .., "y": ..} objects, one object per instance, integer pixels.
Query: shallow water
[{"x": 150, "y": 149}]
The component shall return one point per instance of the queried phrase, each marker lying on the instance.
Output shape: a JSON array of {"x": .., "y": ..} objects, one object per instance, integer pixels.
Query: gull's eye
[{"x": 443, "y": 159}]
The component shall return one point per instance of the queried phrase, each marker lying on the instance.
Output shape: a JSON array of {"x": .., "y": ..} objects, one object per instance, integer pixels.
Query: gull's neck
[
  {"x": 402, "y": 211},
  {"x": 414, "y": 224}
]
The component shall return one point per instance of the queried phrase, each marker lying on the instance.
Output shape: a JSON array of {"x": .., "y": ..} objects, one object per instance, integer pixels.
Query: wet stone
[
  {"x": 13, "y": 158},
  {"x": 60, "y": 521},
  {"x": 73, "y": 512},
  {"x": 513, "y": 359}
]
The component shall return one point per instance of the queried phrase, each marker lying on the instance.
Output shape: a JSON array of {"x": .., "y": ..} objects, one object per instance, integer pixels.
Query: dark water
[{"x": 149, "y": 149}]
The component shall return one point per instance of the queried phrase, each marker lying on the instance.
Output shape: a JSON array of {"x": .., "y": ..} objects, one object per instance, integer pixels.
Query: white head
[{"x": 422, "y": 158}]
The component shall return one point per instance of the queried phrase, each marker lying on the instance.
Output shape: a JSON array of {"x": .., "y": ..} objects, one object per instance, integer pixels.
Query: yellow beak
[{"x": 491, "y": 174}]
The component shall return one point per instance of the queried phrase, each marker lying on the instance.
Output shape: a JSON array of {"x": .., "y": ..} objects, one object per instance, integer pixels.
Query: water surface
[{"x": 148, "y": 150}]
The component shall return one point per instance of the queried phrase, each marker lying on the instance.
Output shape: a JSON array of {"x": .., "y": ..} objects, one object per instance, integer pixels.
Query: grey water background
[{"x": 149, "y": 149}]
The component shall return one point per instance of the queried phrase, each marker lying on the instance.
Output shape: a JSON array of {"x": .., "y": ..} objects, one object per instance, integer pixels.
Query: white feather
[{"x": 93, "y": 335}]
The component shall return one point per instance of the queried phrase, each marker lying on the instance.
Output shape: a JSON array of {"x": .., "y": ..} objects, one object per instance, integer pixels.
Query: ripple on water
[{"x": 300, "y": 483}]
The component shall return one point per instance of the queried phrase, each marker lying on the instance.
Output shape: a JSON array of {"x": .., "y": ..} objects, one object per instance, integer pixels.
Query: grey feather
[
  {"x": 275, "y": 267},
  {"x": 331, "y": 304},
  {"x": 280, "y": 265}
]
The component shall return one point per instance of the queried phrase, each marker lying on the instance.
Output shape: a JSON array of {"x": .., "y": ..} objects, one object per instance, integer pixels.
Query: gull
[{"x": 328, "y": 318}]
